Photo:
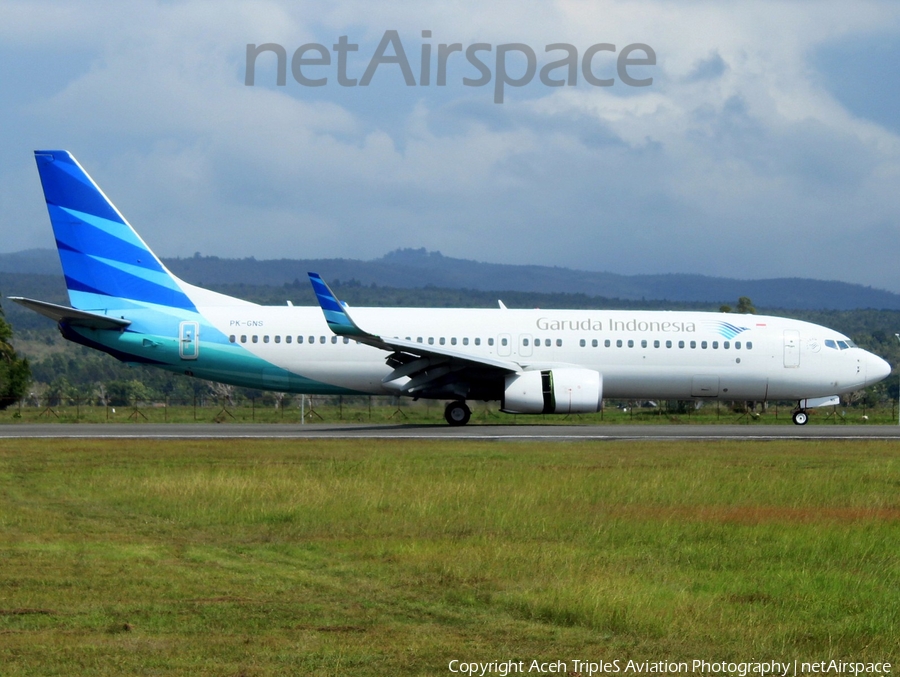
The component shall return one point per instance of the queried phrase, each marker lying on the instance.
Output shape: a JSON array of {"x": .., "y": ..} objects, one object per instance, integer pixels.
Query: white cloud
[{"x": 735, "y": 161}]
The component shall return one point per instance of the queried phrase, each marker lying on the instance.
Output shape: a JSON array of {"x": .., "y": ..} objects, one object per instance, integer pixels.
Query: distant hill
[{"x": 418, "y": 268}]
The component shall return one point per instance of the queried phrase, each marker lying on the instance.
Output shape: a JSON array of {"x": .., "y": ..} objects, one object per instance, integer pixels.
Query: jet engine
[{"x": 553, "y": 391}]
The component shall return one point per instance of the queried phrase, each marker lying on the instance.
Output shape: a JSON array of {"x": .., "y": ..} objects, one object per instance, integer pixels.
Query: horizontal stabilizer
[{"x": 71, "y": 316}]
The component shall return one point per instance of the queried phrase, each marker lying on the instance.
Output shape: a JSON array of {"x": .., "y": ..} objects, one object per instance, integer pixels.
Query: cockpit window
[{"x": 840, "y": 345}]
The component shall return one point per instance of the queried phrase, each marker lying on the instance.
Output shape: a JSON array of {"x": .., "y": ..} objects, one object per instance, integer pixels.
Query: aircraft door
[
  {"x": 525, "y": 343},
  {"x": 791, "y": 348},
  {"x": 189, "y": 340}
]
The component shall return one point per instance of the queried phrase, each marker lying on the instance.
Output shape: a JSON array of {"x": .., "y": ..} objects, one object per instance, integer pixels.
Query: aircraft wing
[
  {"x": 71, "y": 316},
  {"x": 425, "y": 366}
]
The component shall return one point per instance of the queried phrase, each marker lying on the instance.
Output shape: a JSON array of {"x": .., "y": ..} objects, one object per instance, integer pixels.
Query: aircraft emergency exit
[{"x": 126, "y": 303}]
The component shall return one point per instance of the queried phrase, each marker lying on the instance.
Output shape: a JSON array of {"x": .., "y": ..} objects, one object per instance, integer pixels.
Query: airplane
[{"x": 125, "y": 302}]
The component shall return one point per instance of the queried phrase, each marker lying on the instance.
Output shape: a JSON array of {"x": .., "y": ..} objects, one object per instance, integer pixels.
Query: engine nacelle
[{"x": 553, "y": 391}]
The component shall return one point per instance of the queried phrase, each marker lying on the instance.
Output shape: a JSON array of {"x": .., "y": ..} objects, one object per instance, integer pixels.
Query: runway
[{"x": 548, "y": 433}]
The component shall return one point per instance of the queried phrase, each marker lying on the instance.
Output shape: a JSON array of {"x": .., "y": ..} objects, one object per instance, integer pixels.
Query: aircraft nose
[{"x": 876, "y": 368}]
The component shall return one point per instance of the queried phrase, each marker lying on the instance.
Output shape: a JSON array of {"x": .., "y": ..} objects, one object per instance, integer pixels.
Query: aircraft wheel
[
  {"x": 457, "y": 413},
  {"x": 800, "y": 417}
]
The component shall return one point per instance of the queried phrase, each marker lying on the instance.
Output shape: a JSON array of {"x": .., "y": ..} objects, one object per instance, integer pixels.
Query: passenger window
[
  {"x": 726, "y": 345},
  {"x": 656, "y": 344},
  {"x": 453, "y": 341},
  {"x": 299, "y": 339},
  {"x": 643, "y": 343},
  {"x": 618, "y": 343},
  {"x": 630, "y": 343},
  {"x": 288, "y": 339},
  {"x": 749, "y": 345},
  {"x": 703, "y": 345},
  {"x": 231, "y": 338},
  {"x": 606, "y": 343},
  {"x": 255, "y": 338},
  {"x": 312, "y": 339},
  {"x": 490, "y": 341},
  {"x": 582, "y": 343},
  {"x": 715, "y": 345},
  {"x": 321, "y": 339},
  {"x": 524, "y": 341},
  {"x": 431, "y": 340},
  {"x": 442, "y": 341},
  {"x": 346, "y": 340},
  {"x": 504, "y": 342},
  {"x": 693, "y": 345},
  {"x": 737, "y": 345},
  {"x": 243, "y": 338},
  {"x": 278, "y": 339},
  {"x": 559, "y": 343},
  {"x": 681, "y": 344},
  {"x": 465, "y": 341},
  {"x": 668, "y": 344},
  {"x": 419, "y": 340},
  {"x": 478, "y": 342},
  {"x": 594, "y": 343}
]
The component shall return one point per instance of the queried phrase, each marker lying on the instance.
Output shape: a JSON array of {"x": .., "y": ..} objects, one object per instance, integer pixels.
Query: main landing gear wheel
[
  {"x": 457, "y": 413},
  {"x": 800, "y": 417}
]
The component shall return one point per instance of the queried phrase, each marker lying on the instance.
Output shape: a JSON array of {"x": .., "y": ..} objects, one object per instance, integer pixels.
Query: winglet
[{"x": 335, "y": 312}]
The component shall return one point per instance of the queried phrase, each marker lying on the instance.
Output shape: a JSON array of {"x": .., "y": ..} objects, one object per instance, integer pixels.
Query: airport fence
[{"x": 313, "y": 410}]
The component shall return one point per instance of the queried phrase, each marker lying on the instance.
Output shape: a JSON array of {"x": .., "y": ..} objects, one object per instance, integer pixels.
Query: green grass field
[{"x": 394, "y": 558}]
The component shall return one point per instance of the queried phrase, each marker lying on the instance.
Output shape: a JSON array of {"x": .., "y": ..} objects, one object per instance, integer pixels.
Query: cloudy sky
[{"x": 767, "y": 145}]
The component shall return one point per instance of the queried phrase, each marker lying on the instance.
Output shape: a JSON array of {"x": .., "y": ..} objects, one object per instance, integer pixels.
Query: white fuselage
[{"x": 640, "y": 354}]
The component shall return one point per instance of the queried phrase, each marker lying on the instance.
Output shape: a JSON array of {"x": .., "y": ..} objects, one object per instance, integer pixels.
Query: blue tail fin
[{"x": 106, "y": 263}]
